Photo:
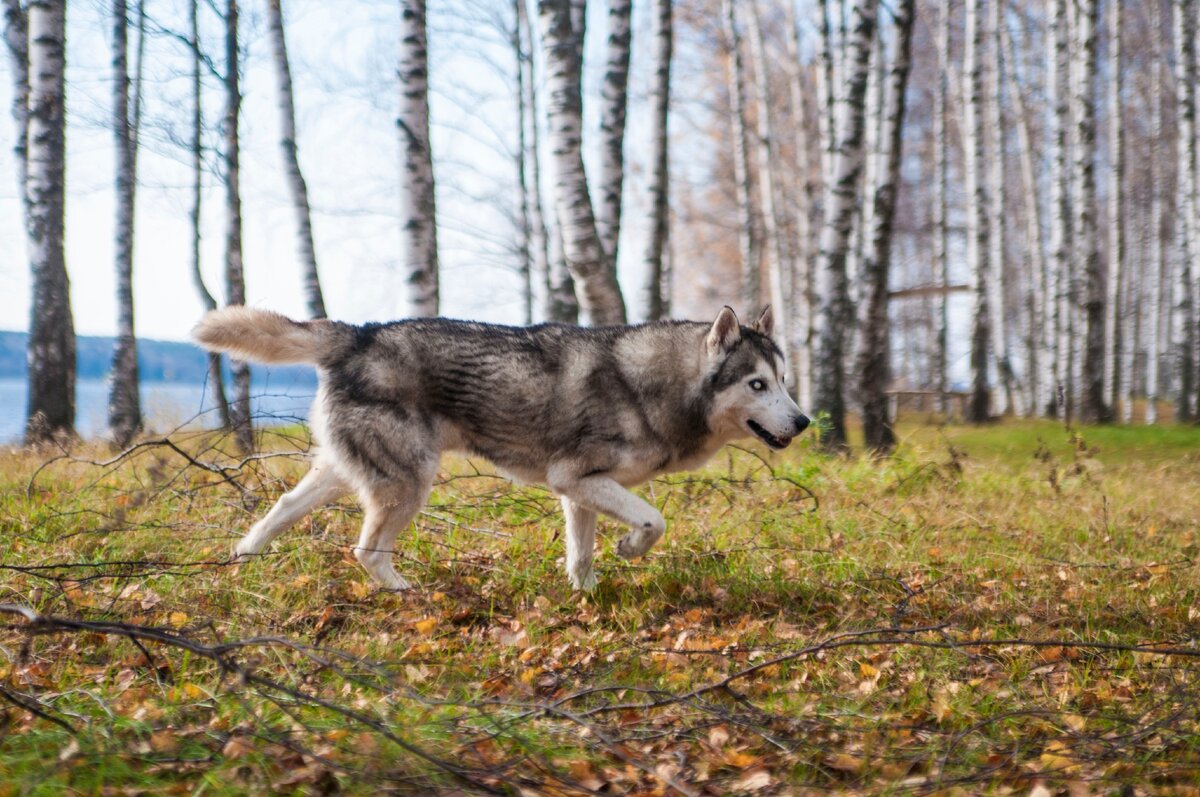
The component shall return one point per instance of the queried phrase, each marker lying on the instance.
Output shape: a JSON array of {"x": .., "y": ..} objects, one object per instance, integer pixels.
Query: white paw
[
  {"x": 631, "y": 546},
  {"x": 584, "y": 581},
  {"x": 392, "y": 581},
  {"x": 245, "y": 551}
]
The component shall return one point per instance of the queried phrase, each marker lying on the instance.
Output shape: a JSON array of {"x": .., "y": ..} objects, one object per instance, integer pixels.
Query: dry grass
[{"x": 990, "y": 610}]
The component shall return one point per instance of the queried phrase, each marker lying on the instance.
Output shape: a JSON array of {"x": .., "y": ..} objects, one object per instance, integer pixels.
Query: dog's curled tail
[{"x": 264, "y": 336}]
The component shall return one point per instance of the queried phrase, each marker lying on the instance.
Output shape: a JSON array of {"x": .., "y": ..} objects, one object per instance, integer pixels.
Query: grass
[{"x": 989, "y": 610}]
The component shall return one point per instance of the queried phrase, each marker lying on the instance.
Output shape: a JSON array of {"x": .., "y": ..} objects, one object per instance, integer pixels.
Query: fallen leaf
[
  {"x": 754, "y": 780},
  {"x": 426, "y": 626}
]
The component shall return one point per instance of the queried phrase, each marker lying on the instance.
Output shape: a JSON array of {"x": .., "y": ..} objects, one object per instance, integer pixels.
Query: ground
[{"x": 1009, "y": 609}]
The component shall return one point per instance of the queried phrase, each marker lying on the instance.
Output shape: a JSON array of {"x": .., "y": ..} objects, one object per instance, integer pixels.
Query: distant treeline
[{"x": 158, "y": 361}]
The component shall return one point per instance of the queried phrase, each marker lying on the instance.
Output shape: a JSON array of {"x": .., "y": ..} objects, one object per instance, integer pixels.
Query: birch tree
[
  {"x": 1116, "y": 215},
  {"x": 874, "y": 368},
  {"x": 291, "y": 161},
  {"x": 593, "y": 271},
  {"x": 124, "y": 403},
  {"x": 748, "y": 244},
  {"x": 1092, "y": 407},
  {"x": 16, "y": 41},
  {"x": 1157, "y": 255},
  {"x": 216, "y": 378},
  {"x": 657, "y": 299},
  {"x": 801, "y": 293},
  {"x": 941, "y": 236},
  {"x": 614, "y": 100},
  {"x": 768, "y": 190},
  {"x": 998, "y": 221},
  {"x": 418, "y": 235},
  {"x": 1038, "y": 302},
  {"x": 50, "y": 411},
  {"x": 978, "y": 408},
  {"x": 525, "y": 245},
  {"x": 235, "y": 281},
  {"x": 1060, "y": 209},
  {"x": 1184, "y": 324},
  {"x": 840, "y": 195}
]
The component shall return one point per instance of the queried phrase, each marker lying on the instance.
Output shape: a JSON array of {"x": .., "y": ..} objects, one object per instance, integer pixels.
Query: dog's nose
[{"x": 801, "y": 423}]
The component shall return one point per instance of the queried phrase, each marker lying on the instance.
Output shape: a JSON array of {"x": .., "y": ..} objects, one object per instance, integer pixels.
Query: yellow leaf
[
  {"x": 868, "y": 670},
  {"x": 844, "y": 762},
  {"x": 1075, "y": 722},
  {"x": 426, "y": 626},
  {"x": 178, "y": 619},
  {"x": 531, "y": 674},
  {"x": 736, "y": 758}
]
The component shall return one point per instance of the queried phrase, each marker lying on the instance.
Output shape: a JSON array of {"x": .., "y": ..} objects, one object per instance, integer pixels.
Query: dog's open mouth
[{"x": 767, "y": 437}]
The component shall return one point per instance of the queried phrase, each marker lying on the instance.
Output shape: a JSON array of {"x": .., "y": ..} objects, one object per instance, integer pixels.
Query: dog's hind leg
[
  {"x": 320, "y": 485},
  {"x": 388, "y": 510},
  {"x": 581, "y": 544},
  {"x": 602, "y": 494}
]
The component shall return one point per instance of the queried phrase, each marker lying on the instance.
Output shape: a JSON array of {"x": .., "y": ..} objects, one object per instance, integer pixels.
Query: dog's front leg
[
  {"x": 602, "y": 494},
  {"x": 581, "y": 544}
]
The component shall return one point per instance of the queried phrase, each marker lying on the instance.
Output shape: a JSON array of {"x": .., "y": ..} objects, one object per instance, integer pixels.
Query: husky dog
[{"x": 588, "y": 412}]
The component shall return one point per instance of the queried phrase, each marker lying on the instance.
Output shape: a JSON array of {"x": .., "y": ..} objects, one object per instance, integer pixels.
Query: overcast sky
[{"x": 343, "y": 58}]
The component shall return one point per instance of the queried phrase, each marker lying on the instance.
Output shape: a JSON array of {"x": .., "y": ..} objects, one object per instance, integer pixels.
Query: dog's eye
[{"x": 757, "y": 385}]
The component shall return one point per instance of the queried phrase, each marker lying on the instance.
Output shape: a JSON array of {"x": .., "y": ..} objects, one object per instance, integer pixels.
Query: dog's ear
[
  {"x": 765, "y": 323},
  {"x": 725, "y": 332}
]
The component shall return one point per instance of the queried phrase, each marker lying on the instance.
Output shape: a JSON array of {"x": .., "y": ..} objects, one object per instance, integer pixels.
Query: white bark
[
  {"x": 1060, "y": 209},
  {"x": 1038, "y": 300},
  {"x": 1184, "y": 325},
  {"x": 978, "y": 250},
  {"x": 874, "y": 368},
  {"x": 216, "y": 377},
  {"x": 801, "y": 293},
  {"x": 657, "y": 293},
  {"x": 1092, "y": 407},
  {"x": 768, "y": 188},
  {"x": 840, "y": 195},
  {"x": 1158, "y": 272},
  {"x": 16, "y": 40},
  {"x": 525, "y": 255},
  {"x": 614, "y": 100},
  {"x": 291, "y": 161},
  {"x": 235, "y": 281},
  {"x": 941, "y": 236},
  {"x": 418, "y": 246},
  {"x": 595, "y": 278},
  {"x": 748, "y": 244},
  {"x": 50, "y": 411},
  {"x": 1113, "y": 369},
  {"x": 997, "y": 222},
  {"x": 124, "y": 405}
]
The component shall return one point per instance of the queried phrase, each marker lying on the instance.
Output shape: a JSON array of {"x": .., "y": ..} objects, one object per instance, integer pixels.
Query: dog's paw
[
  {"x": 393, "y": 582},
  {"x": 630, "y": 546},
  {"x": 584, "y": 582},
  {"x": 243, "y": 553}
]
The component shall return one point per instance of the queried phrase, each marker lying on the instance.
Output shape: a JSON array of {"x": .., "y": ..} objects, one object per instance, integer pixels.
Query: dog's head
[{"x": 746, "y": 377}]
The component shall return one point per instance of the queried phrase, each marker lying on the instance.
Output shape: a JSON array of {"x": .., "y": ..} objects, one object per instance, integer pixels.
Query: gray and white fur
[{"x": 588, "y": 412}]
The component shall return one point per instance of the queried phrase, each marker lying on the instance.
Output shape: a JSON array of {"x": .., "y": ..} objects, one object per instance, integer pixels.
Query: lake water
[{"x": 166, "y": 405}]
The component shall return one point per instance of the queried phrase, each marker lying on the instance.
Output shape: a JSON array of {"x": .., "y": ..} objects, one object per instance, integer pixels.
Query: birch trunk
[
  {"x": 978, "y": 408},
  {"x": 825, "y": 95},
  {"x": 50, "y": 412},
  {"x": 124, "y": 405},
  {"x": 656, "y": 295},
  {"x": 1184, "y": 325},
  {"x": 748, "y": 244},
  {"x": 520, "y": 160},
  {"x": 997, "y": 223},
  {"x": 235, "y": 282},
  {"x": 874, "y": 362},
  {"x": 1157, "y": 254},
  {"x": 592, "y": 269},
  {"x": 1092, "y": 407},
  {"x": 840, "y": 196},
  {"x": 941, "y": 235},
  {"x": 16, "y": 40},
  {"x": 1116, "y": 216},
  {"x": 768, "y": 189},
  {"x": 1038, "y": 292},
  {"x": 216, "y": 377},
  {"x": 1060, "y": 210},
  {"x": 418, "y": 245},
  {"x": 291, "y": 161},
  {"x": 801, "y": 294},
  {"x": 614, "y": 100}
]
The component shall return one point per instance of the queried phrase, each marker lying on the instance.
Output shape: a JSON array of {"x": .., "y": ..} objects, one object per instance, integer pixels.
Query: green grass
[{"x": 989, "y": 538}]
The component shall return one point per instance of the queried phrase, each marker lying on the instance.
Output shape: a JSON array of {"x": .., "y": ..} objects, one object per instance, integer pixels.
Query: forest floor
[{"x": 1009, "y": 609}]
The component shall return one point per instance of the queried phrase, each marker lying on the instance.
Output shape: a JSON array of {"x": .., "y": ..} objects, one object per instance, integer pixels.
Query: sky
[{"x": 343, "y": 59}]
